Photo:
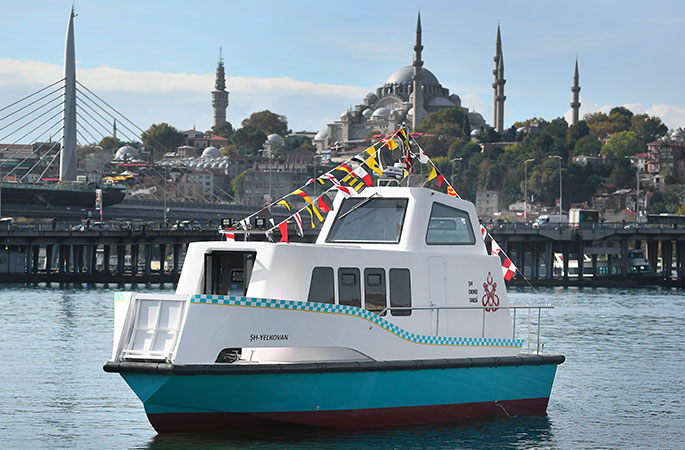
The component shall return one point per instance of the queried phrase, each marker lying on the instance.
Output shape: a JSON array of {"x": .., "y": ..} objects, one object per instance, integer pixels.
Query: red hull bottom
[{"x": 360, "y": 418}]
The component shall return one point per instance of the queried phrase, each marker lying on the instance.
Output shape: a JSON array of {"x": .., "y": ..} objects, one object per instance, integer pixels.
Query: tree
[
  {"x": 110, "y": 143},
  {"x": 223, "y": 129},
  {"x": 238, "y": 185},
  {"x": 622, "y": 174},
  {"x": 248, "y": 139},
  {"x": 576, "y": 132},
  {"x": 620, "y": 145},
  {"x": 587, "y": 145},
  {"x": 648, "y": 128},
  {"x": 445, "y": 122},
  {"x": 267, "y": 122},
  {"x": 162, "y": 138}
]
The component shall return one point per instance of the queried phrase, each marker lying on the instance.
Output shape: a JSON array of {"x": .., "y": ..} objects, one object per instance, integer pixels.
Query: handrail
[{"x": 484, "y": 309}]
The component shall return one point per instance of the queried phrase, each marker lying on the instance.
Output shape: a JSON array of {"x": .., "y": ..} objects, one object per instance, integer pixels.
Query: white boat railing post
[
  {"x": 539, "y": 319},
  {"x": 528, "y": 340},
  {"x": 437, "y": 322},
  {"x": 513, "y": 331}
]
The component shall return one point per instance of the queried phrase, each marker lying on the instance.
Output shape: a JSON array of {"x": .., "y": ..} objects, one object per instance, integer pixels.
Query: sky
[{"x": 155, "y": 61}]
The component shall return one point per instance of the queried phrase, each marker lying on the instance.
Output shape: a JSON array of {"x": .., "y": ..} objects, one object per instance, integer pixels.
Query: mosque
[
  {"x": 394, "y": 103},
  {"x": 408, "y": 96}
]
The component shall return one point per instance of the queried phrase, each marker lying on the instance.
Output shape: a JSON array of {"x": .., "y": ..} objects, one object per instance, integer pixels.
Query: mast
[{"x": 67, "y": 158}]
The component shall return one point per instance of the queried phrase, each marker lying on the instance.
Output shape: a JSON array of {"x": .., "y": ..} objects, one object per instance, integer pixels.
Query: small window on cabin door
[
  {"x": 400, "y": 292},
  {"x": 374, "y": 289},
  {"x": 321, "y": 286},
  {"x": 349, "y": 289}
]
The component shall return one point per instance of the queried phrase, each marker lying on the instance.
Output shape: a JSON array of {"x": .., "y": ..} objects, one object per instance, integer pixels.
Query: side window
[
  {"x": 321, "y": 286},
  {"x": 400, "y": 291},
  {"x": 374, "y": 290},
  {"x": 349, "y": 290},
  {"x": 449, "y": 226}
]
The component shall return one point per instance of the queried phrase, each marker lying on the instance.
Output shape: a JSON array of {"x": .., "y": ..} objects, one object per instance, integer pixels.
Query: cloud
[
  {"x": 475, "y": 103},
  {"x": 183, "y": 98},
  {"x": 672, "y": 115}
]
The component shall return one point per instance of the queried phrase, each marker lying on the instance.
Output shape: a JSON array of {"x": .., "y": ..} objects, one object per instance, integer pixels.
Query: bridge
[
  {"x": 154, "y": 254},
  {"x": 593, "y": 255}
]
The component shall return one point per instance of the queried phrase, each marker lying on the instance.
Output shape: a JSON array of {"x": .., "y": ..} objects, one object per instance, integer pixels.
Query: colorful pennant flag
[
  {"x": 283, "y": 228},
  {"x": 298, "y": 222},
  {"x": 508, "y": 267},
  {"x": 324, "y": 204}
]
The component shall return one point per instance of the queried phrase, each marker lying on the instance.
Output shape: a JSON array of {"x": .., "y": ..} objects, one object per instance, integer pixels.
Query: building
[
  {"x": 206, "y": 179},
  {"x": 664, "y": 153},
  {"x": 219, "y": 94},
  {"x": 394, "y": 103},
  {"x": 490, "y": 203},
  {"x": 200, "y": 140}
]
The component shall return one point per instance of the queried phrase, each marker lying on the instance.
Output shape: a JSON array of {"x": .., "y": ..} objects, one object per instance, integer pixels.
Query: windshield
[{"x": 369, "y": 220}]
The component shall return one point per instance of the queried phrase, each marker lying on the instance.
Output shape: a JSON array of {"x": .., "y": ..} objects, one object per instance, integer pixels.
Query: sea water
[{"x": 622, "y": 385}]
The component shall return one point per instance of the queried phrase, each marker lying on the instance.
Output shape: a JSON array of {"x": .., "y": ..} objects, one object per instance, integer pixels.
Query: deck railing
[{"x": 484, "y": 309}]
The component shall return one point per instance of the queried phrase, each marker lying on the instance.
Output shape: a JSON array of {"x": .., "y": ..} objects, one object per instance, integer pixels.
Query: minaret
[
  {"x": 575, "y": 104},
  {"x": 67, "y": 157},
  {"x": 219, "y": 94},
  {"x": 417, "y": 78},
  {"x": 498, "y": 86}
]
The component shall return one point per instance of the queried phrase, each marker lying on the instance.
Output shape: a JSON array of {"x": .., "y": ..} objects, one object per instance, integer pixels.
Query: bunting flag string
[
  {"x": 508, "y": 267},
  {"x": 369, "y": 158}
]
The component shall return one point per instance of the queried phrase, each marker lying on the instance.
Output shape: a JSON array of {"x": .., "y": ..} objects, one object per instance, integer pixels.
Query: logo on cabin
[{"x": 490, "y": 298}]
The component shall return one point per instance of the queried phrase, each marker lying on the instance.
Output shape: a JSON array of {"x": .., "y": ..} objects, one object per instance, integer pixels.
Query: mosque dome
[
  {"x": 440, "y": 101},
  {"x": 454, "y": 98},
  {"x": 370, "y": 98},
  {"x": 395, "y": 113},
  {"x": 404, "y": 74},
  {"x": 321, "y": 135},
  {"x": 367, "y": 112},
  {"x": 345, "y": 115},
  {"x": 475, "y": 132},
  {"x": 423, "y": 112},
  {"x": 275, "y": 139},
  {"x": 127, "y": 152},
  {"x": 381, "y": 113},
  {"x": 211, "y": 152},
  {"x": 476, "y": 119}
]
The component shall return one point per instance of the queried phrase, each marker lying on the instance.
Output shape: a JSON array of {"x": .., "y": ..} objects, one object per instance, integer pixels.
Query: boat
[
  {"x": 59, "y": 194},
  {"x": 396, "y": 315}
]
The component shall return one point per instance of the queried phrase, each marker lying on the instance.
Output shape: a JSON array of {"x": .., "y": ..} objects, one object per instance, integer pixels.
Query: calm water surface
[{"x": 622, "y": 386}]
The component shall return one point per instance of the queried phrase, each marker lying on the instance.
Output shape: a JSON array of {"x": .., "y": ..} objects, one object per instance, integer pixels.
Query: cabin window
[
  {"x": 449, "y": 226},
  {"x": 349, "y": 290},
  {"x": 374, "y": 289},
  {"x": 400, "y": 292},
  {"x": 321, "y": 286},
  {"x": 369, "y": 220}
]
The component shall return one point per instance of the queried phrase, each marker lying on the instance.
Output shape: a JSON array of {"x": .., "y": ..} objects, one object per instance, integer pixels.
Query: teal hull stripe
[
  {"x": 357, "y": 312},
  {"x": 339, "y": 391}
]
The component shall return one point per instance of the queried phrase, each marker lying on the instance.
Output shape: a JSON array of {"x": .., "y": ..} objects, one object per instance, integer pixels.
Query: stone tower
[
  {"x": 219, "y": 94},
  {"x": 575, "y": 104},
  {"x": 417, "y": 78},
  {"x": 498, "y": 86}
]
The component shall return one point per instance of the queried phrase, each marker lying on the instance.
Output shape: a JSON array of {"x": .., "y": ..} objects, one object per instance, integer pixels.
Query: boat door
[
  {"x": 228, "y": 272},
  {"x": 436, "y": 288}
]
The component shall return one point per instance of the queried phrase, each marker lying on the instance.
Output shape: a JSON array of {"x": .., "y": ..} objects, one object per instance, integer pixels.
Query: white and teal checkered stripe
[
  {"x": 354, "y": 311},
  {"x": 123, "y": 296}
]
